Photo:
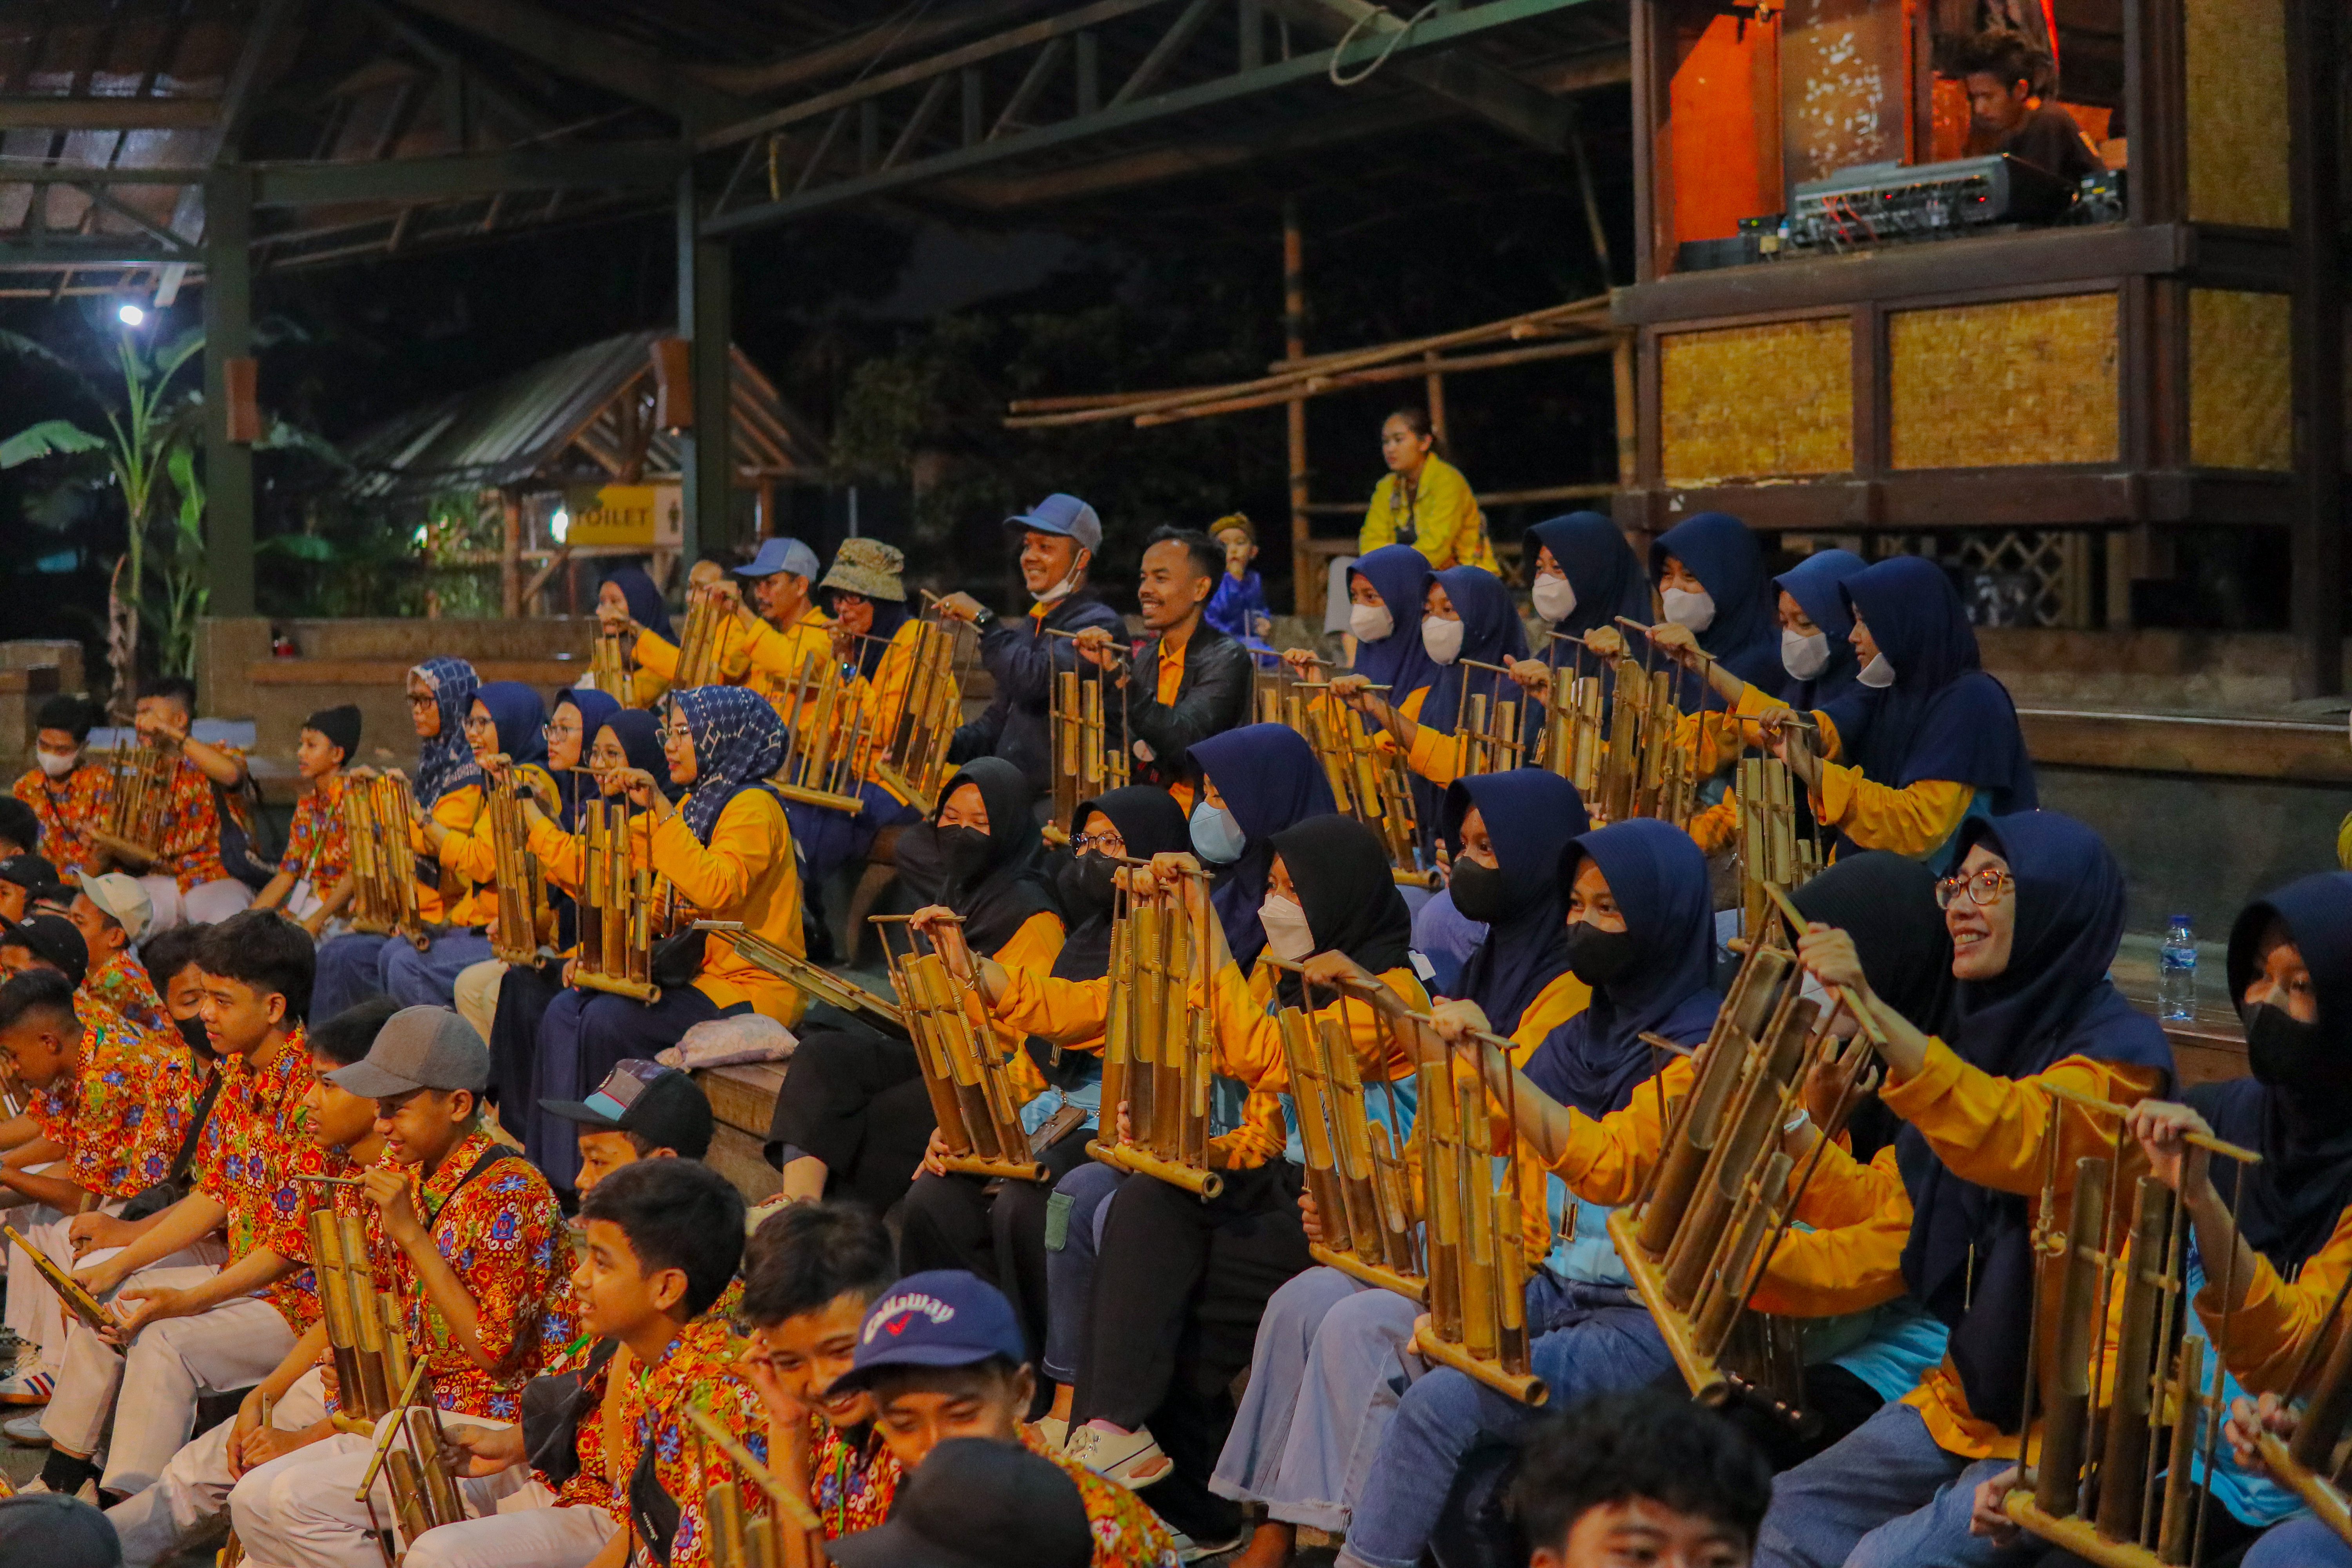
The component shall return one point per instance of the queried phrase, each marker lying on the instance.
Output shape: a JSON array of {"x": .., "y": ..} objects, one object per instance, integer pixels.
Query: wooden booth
[{"x": 2097, "y": 380}]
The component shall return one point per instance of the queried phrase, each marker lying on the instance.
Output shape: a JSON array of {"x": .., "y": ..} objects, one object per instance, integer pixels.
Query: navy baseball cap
[
  {"x": 780, "y": 555},
  {"x": 1067, "y": 515},
  {"x": 942, "y": 1317}
]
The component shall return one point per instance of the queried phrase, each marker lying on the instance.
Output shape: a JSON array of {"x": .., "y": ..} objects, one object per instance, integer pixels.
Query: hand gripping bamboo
[
  {"x": 788, "y": 1534},
  {"x": 1090, "y": 755},
  {"x": 138, "y": 804},
  {"x": 612, "y": 669},
  {"x": 71, "y": 1295},
  {"x": 624, "y": 905},
  {"x": 968, "y": 1077},
  {"x": 1157, "y": 1048}
]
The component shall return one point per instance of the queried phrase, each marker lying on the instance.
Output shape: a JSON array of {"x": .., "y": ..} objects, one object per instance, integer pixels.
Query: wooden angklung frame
[
  {"x": 1368, "y": 783},
  {"x": 1575, "y": 729},
  {"x": 1158, "y": 1046},
  {"x": 788, "y": 1535},
  {"x": 2309, "y": 1462},
  {"x": 365, "y": 1332},
  {"x": 707, "y": 615},
  {"x": 826, "y": 745},
  {"x": 624, "y": 905},
  {"x": 1488, "y": 730},
  {"x": 137, "y": 800},
  {"x": 380, "y": 824},
  {"x": 970, "y": 1081},
  {"x": 611, "y": 669},
  {"x": 814, "y": 981},
  {"x": 1723, "y": 1194},
  {"x": 2113, "y": 1482},
  {"x": 915, "y": 739},
  {"x": 1090, "y": 753},
  {"x": 523, "y": 909}
]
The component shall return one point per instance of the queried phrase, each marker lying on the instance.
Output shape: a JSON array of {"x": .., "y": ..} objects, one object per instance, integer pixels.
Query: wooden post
[
  {"x": 1628, "y": 419},
  {"x": 705, "y": 316},
  {"x": 2315, "y": 39},
  {"x": 1305, "y": 591},
  {"x": 1433, "y": 390},
  {"x": 228, "y": 335},
  {"x": 509, "y": 555}
]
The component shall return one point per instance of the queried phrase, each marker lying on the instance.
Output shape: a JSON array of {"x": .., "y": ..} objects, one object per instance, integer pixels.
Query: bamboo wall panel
[
  {"x": 2236, "y": 68},
  {"x": 1749, "y": 402},
  {"x": 2241, "y": 355},
  {"x": 1844, "y": 85},
  {"x": 2011, "y": 382}
]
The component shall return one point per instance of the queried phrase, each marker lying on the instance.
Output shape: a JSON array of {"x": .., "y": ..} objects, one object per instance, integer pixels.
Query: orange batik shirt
[
  {"x": 123, "y": 1114},
  {"x": 247, "y": 1162}
]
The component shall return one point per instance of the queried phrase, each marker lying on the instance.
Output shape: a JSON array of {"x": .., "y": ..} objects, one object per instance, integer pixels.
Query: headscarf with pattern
[
  {"x": 446, "y": 762},
  {"x": 738, "y": 741}
]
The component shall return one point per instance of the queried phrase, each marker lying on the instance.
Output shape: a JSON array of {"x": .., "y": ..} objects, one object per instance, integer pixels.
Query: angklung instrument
[
  {"x": 611, "y": 669},
  {"x": 819, "y": 982},
  {"x": 1697, "y": 1239},
  {"x": 2307, "y": 1463},
  {"x": 1489, "y": 733},
  {"x": 1367, "y": 1196},
  {"x": 365, "y": 1329},
  {"x": 970, "y": 1081},
  {"x": 1090, "y": 757},
  {"x": 525, "y": 916},
  {"x": 1773, "y": 856},
  {"x": 707, "y": 611},
  {"x": 380, "y": 822},
  {"x": 1368, "y": 783},
  {"x": 1574, "y": 732},
  {"x": 1159, "y": 1049},
  {"x": 827, "y": 746},
  {"x": 624, "y": 905},
  {"x": 789, "y": 1534},
  {"x": 2129, "y": 1411},
  {"x": 419, "y": 1475},
  {"x": 914, "y": 738},
  {"x": 71, "y": 1293},
  {"x": 138, "y": 802},
  {"x": 1646, "y": 769}
]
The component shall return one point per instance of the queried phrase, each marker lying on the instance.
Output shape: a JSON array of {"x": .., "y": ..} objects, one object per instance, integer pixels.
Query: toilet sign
[{"x": 643, "y": 515}]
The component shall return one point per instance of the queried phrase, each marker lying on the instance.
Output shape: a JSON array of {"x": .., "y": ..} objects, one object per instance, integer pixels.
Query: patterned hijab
[
  {"x": 446, "y": 762},
  {"x": 738, "y": 741}
]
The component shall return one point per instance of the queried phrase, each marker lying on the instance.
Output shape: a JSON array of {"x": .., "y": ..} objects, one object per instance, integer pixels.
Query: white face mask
[
  {"x": 1555, "y": 597},
  {"x": 1685, "y": 608},
  {"x": 1371, "y": 622},
  {"x": 1286, "y": 933},
  {"x": 1060, "y": 590},
  {"x": 1804, "y": 656},
  {"x": 57, "y": 764},
  {"x": 1441, "y": 639},
  {"x": 1877, "y": 673}
]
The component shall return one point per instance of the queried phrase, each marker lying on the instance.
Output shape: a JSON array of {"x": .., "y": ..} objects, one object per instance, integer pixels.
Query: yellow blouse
[
  {"x": 746, "y": 873},
  {"x": 468, "y": 854},
  {"x": 1444, "y": 515}
]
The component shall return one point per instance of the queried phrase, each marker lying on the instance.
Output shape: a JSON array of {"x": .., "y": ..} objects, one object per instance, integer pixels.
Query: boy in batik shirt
[
  {"x": 66, "y": 790},
  {"x": 188, "y": 879},
  {"x": 112, "y": 912},
  {"x": 313, "y": 882}
]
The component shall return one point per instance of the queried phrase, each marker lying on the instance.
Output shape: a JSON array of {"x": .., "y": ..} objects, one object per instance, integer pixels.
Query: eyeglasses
[
  {"x": 673, "y": 734},
  {"x": 1987, "y": 887},
  {"x": 1109, "y": 843}
]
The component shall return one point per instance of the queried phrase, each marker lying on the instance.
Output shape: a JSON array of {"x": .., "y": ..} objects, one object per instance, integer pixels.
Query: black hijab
[
  {"x": 1341, "y": 869},
  {"x": 997, "y": 895},
  {"x": 1530, "y": 815},
  {"x": 1152, "y": 822},
  {"x": 2296, "y": 1113}
]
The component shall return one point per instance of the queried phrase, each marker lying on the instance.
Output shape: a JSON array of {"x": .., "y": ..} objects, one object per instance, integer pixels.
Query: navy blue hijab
[
  {"x": 1270, "y": 781},
  {"x": 1601, "y": 567},
  {"x": 1717, "y": 549},
  {"x": 1944, "y": 718},
  {"x": 1530, "y": 815},
  {"x": 1658, "y": 877},
  {"x": 2053, "y": 1001},
  {"x": 2302, "y": 1127},
  {"x": 1490, "y": 629},
  {"x": 645, "y": 606},
  {"x": 595, "y": 710},
  {"x": 1401, "y": 576},
  {"x": 1813, "y": 582},
  {"x": 521, "y": 718}
]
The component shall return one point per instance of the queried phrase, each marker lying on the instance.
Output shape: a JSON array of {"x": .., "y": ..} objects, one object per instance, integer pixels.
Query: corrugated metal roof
[{"x": 578, "y": 418}]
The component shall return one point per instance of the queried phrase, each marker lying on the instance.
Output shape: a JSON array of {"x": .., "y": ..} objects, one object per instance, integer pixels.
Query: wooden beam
[
  {"x": 2315, "y": 41},
  {"x": 228, "y": 334},
  {"x": 41, "y": 113},
  {"x": 586, "y": 55}
]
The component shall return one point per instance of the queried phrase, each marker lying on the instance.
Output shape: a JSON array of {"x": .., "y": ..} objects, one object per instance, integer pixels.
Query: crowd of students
[{"x": 1101, "y": 1366}]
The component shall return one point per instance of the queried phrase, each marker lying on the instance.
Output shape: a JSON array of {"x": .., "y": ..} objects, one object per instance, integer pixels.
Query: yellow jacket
[
  {"x": 746, "y": 873},
  {"x": 2272, "y": 1329},
  {"x": 470, "y": 862},
  {"x": 1441, "y": 516},
  {"x": 1911, "y": 820},
  {"x": 1249, "y": 1049}
]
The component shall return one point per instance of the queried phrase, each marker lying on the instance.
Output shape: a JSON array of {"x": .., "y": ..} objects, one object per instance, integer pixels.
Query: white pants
[
  {"x": 299, "y": 1511},
  {"x": 477, "y": 993},
  {"x": 528, "y": 1532},
  {"x": 34, "y": 1313},
  {"x": 206, "y": 903},
  {"x": 193, "y": 1490},
  {"x": 235, "y": 1345}
]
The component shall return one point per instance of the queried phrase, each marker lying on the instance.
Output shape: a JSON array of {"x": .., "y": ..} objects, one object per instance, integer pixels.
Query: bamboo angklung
[
  {"x": 624, "y": 905},
  {"x": 1159, "y": 1049},
  {"x": 380, "y": 824},
  {"x": 972, "y": 1094},
  {"x": 1574, "y": 734},
  {"x": 2306, "y": 1462},
  {"x": 1487, "y": 731},
  {"x": 827, "y": 748},
  {"x": 915, "y": 739},
  {"x": 520, "y": 887},
  {"x": 138, "y": 802},
  {"x": 1089, "y": 757},
  {"x": 1773, "y": 856},
  {"x": 72, "y": 1294},
  {"x": 1723, "y": 1194},
  {"x": 820, "y": 983},
  {"x": 1368, "y": 783},
  {"x": 707, "y": 611},
  {"x": 1367, "y": 1202},
  {"x": 2127, "y": 1404},
  {"x": 612, "y": 669},
  {"x": 788, "y": 1535}
]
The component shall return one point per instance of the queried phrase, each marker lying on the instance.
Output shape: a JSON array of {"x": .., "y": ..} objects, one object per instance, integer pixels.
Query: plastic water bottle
[{"x": 2176, "y": 993}]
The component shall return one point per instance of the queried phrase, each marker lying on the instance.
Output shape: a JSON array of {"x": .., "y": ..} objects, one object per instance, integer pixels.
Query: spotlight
[
  {"x": 559, "y": 526},
  {"x": 131, "y": 315}
]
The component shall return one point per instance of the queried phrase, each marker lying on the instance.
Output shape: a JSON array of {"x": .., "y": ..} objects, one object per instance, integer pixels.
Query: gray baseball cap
[{"x": 418, "y": 1047}]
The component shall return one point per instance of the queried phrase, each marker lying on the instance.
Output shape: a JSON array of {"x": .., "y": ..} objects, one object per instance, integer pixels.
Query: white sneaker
[
  {"x": 1190, "y": 1551},
  {"x": 26, "y": 1432},
  {"x": 27, "y": 1386},
  {"x": 1133, "y": 1459}
]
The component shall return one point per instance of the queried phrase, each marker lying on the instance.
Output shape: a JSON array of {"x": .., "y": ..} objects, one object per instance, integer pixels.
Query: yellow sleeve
[
  {"x": 653, "y": 653},
  {"x": 1435, "y": 755},
  {"x": 2344, "y": 843},
  {"x": 1071, "y": 1014},
  {"x": 1036, "y": 945},
  {"x": 1844, "y": 1269},
  {"x": 1453, "y": 532},
  {"x": 743, "y": 845},
  {"x": 1608, "y": 1159},
  {"x": 1378, "y": 529},
  {"x": 1909, "y": 821},
  {"x": 1990, "y": 1129},
  {"x": 558, "y": 854},
  {"x": 1249, "y": 1049},
  {"x": 2271, "y": 1332},
  {"x": 1555, "y": 1004},
  {"x": 773, "y": 653},
  {"x": 1845, "y": 1192}
]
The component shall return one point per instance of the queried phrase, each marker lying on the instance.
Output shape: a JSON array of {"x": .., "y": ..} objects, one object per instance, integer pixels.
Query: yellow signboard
[{"x": 644, "y": 515}]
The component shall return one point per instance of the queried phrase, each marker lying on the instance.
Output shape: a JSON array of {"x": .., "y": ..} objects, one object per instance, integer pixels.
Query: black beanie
[{"x": 341, "y": 726}]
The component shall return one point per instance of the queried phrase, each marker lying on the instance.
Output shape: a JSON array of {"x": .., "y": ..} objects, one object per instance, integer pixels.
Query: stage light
[
  {"x": 131, "y": 315},
  {"x": 559, "y": 525}
]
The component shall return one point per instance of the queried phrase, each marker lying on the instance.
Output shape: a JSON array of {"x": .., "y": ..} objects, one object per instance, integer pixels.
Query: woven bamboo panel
[
  {"x": 1751, "y": 401},
  {"x": 2241, "y": 350},
  {"x": 2016, "y": 381},
  {"x": 2236, "y": 60}
]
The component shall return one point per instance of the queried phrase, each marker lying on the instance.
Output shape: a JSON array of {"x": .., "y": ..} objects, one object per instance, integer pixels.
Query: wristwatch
[{"x": 981, "y": 618}]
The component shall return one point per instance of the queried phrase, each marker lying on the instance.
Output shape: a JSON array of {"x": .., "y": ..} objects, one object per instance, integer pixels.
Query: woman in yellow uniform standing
[{"x": 1423, "y": 501}]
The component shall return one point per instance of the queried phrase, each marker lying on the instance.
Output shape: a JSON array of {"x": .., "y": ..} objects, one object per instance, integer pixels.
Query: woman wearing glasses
[
  {"x": 2035, "y": 913},
  {"x": 440, "y": 696}
]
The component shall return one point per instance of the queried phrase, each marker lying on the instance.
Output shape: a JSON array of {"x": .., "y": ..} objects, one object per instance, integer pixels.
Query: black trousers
[
  {"x": 1179, "y": 1288},
  {"x": 856, "y": 1100},
  {"x": 995, "y": 1229},
  {"x": 524, "y": 993}
]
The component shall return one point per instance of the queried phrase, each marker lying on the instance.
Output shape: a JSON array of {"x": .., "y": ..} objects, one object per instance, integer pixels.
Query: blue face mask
[{"x": 1216, "y": 836}]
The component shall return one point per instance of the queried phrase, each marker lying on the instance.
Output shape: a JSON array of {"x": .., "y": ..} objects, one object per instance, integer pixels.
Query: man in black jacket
[
  {"x": 1193, "y": 681},
  {"x": 1059, "y": 538}
]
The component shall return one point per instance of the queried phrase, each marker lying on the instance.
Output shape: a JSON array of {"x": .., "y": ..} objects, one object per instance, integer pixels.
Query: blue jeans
[
  {"x": 1884, "y": 1495},
  {"x": 1074, "y": 1216},
  {"x": 348, "y": 972},
  {"x": 429, "y": 978},
  {"x": 1450, "y": 1440},
  {"x": 2299, "y": 1543}
]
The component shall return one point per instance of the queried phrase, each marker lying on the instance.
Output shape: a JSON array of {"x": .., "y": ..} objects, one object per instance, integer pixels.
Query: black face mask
[
  {"x": 1478, "y": 892},
  {"x": 192, "y": 1029},
  {"x": 2288, "y": 1054},
  {"x": 1085, "y": 886},
  {"x": 967, "y": 853},
  {"x": 1597, "y": 956}
]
